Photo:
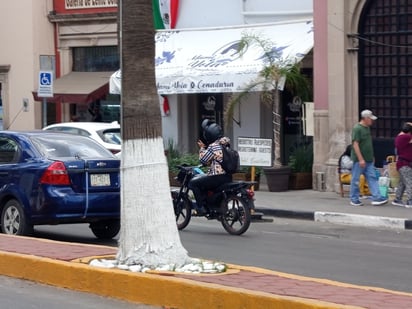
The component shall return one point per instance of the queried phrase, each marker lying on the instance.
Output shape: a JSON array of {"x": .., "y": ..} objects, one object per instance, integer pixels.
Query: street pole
[{"x": 44, "y": 106}]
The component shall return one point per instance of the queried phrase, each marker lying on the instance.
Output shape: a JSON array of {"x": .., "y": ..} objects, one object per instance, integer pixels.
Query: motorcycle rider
[{"x": 210, "y": 155}]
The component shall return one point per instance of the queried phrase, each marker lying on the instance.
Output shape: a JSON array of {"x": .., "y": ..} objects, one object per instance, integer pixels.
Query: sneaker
[
  {"x": 397, "y": 202},
  {"x": 356, "y": 203},
  {"x": 380, "y": 201},
  {"x": 408, "y": 204},
  {"x": 365, "y": 197}
]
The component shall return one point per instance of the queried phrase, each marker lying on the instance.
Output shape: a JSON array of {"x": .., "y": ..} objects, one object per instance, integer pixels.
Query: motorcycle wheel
[
  {"x": 183, "y": 211},
  {"x": 236, "y": 215}
]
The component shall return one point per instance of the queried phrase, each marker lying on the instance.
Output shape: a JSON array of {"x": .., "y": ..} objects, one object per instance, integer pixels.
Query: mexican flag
[{"x": 165, "y": 13}]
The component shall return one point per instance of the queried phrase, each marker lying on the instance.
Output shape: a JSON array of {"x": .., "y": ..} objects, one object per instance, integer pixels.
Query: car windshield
[
  {"x": 67, "y": 145},
  {"x": 111, "y": 136}
]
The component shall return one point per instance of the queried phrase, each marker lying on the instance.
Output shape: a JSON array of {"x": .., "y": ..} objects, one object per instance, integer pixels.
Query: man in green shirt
[{"x": 363, "y": 161}]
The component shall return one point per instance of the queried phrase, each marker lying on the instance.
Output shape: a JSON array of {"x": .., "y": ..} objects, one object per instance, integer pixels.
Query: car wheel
[
  {"x": 13, "y": 219},
  {"x": 105, "y": 229}
]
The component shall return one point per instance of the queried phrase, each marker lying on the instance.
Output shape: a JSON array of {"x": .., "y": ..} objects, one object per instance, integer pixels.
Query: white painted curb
[{"x": 359, "y": 220}]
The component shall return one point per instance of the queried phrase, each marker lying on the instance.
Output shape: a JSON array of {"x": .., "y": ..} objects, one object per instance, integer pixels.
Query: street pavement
[
  {"x": 245, "y": 287},
  {"x": 21, "y": 294},
  {"x": 62, "y": 264}
]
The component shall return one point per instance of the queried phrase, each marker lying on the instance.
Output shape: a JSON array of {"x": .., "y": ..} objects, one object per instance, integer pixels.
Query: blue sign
[
  {"x": 45, "y": 78},
  {"x": 45, "y": 84}
]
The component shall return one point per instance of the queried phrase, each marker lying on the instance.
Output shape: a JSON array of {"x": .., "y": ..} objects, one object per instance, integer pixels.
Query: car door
[{"x": 9, "y": 157}]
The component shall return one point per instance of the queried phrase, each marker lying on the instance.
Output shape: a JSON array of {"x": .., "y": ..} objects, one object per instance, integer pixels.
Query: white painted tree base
[
  {"x": 196, "y": 266},
  {"x": 148, "y": 236}
]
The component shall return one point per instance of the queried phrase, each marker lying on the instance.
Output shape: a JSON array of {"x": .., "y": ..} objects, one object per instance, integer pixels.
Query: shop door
[{"x": 210, "y": 107}]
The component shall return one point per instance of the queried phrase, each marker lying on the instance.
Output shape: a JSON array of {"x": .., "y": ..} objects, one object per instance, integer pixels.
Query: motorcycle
[{"x": 230, "y": 203}]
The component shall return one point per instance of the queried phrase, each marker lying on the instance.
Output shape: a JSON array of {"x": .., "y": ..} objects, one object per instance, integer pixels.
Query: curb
[
  {"x": 149, "y": 289},
  {"x": 340, "y": 218}
]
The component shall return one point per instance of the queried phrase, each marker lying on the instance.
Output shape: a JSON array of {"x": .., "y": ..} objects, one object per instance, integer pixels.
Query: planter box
[
  {"x": 277, "y": 178},
  {"x": 300, "y": 181}
]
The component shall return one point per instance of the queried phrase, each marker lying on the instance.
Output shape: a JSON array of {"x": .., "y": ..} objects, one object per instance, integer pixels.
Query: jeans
[{"x": 371, "y": 178}]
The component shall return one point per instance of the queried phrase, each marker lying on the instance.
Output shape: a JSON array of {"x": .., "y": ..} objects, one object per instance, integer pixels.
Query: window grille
[
  {"x": 385, "y": 64},
  {"x": 96, "y": 59}
]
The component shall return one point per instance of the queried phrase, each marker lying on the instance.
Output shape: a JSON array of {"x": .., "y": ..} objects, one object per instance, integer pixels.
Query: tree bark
[
  {"x": 277, "y": 123},
  {"x": 148, "y": 235}
]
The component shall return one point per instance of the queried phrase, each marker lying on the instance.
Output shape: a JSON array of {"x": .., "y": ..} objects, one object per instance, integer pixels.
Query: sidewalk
[
  {"x": 59, "y": 264},
  {"x": 331, "y": 207}
]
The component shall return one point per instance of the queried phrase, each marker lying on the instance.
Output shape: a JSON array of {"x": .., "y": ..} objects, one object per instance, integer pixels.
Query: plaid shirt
[{"x": 212, "y": 156}]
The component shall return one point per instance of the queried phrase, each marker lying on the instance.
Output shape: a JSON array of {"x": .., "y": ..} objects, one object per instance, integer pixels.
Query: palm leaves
[{"x": 276, "y": 73}]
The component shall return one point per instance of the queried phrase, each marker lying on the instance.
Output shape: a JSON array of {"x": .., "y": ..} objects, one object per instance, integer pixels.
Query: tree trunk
[
  {"x": 277, "y": 124},
  {"x": 148, "y": 235}
]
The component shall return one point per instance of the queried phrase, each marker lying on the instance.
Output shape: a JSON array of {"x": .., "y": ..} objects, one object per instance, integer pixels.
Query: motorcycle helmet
[{"x": 211, "y": 131}]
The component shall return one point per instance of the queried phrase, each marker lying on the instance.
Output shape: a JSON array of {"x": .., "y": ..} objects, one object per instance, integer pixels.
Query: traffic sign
[{"x": 45, "y": 84}]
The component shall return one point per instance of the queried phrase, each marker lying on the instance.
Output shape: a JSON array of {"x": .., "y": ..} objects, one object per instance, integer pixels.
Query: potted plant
[
  {"x": 301, "y": 162},
  {"x": 277, "y": 73}
]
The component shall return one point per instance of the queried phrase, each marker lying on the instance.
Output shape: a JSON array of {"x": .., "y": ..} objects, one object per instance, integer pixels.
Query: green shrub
[{"x": 301, "y": 160}]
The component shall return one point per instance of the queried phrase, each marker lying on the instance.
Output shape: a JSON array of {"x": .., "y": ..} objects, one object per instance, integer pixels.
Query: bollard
[{"x": 320, "y": 181}]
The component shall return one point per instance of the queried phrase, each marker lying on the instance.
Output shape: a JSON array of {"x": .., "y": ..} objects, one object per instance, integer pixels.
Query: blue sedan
[{"x": 55, "y": 178}]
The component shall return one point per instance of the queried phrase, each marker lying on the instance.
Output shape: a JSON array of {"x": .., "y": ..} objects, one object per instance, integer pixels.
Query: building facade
[
  {"x": 366, "y": 44},
  {"x": 253, "y": 119},
  {"x": 86, "y": 50},
  {"x": 77, "y": 40},
  {"x": 27, "y": 46}
]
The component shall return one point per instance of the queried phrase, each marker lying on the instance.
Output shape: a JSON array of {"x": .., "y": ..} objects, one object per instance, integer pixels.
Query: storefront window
[{"x": 96, "y": 59}]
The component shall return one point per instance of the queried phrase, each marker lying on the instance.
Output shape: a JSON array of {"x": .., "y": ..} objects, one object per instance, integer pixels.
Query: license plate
[{"x": 100, "y": 180}]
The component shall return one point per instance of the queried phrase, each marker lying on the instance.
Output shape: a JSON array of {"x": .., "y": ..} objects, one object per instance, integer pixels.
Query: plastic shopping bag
[{"x": 384, "y": 185}]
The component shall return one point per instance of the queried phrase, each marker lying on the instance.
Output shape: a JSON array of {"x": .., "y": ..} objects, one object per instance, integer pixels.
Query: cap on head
[
  {"x": 368, "y": 114},
  {"x": 406, "y": 128}
]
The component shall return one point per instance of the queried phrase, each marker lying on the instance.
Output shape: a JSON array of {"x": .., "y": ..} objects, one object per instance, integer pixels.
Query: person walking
[
  {"x": 345, "y": 172},
  {"x": 403, "y": 145},
  {"x": 363, "y": 161}
]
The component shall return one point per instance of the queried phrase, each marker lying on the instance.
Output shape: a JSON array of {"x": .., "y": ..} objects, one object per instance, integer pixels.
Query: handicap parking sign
[
  {"x": 45, "y": 78},
  {"x": 45, "y": 84}
]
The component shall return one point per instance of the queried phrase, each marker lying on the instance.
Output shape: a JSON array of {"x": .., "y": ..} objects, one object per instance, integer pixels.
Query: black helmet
[{"x": 211, "y": 131}]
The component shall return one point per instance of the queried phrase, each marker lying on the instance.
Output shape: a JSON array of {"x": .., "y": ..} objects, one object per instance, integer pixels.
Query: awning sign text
[{"x": 89, "y": 4}]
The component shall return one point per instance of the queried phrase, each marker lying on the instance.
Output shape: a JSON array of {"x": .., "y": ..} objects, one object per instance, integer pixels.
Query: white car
[{"x": 106, "y": 134}]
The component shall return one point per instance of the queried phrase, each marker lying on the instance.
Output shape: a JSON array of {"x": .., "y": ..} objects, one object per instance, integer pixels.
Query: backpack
[{"x": 231, "y": 160}]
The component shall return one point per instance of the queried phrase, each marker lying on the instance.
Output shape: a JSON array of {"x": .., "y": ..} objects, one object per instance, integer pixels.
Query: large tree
[{"x": 148, "y": 234}]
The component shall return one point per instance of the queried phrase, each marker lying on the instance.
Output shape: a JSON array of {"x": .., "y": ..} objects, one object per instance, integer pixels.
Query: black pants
[{"x": 201, "y": 184}]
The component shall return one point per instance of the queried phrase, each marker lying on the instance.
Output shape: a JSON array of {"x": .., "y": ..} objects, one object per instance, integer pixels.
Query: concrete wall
[
  {"x": 194, "y": 13},
  {"x": 170, "y": 123},
  {"x": 335, "y": 82},
  {"x": 21, "y": 50},
  {"x": 249, "y": 118}
]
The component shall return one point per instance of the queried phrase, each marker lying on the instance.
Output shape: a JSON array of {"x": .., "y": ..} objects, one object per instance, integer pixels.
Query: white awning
[
  {"x": 115, "y": 84},
  {"x": 208, "y": 60}
]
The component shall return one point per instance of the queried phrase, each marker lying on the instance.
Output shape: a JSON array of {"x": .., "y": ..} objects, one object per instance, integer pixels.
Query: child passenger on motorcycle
[{"x": 211, "y": 156}]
